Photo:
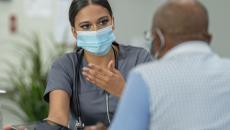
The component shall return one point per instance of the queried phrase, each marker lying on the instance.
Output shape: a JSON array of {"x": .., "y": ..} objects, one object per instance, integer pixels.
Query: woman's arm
[{"x": 59, "y": 102}]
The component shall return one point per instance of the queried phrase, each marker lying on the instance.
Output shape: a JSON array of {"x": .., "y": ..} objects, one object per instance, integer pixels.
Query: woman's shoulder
[
  {"x": 137, "y": 54},
  {"x": 129, "y": 48},
  {"x": 66, "y": 60},
  {"x": 134, "y": 51}
]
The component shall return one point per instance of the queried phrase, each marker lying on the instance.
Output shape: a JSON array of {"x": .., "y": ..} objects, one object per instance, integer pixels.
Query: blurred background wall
[{"x": 49, "y": 20}]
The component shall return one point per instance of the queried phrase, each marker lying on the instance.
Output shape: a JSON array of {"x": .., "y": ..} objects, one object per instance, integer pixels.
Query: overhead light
[{"x": 2, "y": 91}]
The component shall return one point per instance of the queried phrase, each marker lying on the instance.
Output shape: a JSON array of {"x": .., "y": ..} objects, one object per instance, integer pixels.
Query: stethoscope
[{"x": 79, "y": 125}]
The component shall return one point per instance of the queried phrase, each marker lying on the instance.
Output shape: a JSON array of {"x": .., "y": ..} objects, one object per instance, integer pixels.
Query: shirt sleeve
[
  {"x": 133, "y": 111},
  {"x": 59, "y": 77}
]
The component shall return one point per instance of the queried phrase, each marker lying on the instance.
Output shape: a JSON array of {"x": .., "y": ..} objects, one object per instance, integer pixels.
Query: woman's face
[{"x": 92, "y": 18}]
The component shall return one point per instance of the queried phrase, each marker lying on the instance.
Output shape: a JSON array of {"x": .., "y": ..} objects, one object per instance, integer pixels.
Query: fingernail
[
  {"x": 84, "y": 68},
  {"x": 90, "y": 64}
]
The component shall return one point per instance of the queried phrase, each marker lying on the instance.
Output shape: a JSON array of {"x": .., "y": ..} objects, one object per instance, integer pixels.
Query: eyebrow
[
  {"x": 103, "y": 18},
  {"x": 83, "y": 23},
  {"x": 87, "y": 22}
]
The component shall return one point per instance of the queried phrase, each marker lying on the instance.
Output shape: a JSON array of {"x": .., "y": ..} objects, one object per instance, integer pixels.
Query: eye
[
  {"x": 85, "y": 27},
  {"x": 103, "y": 22}
]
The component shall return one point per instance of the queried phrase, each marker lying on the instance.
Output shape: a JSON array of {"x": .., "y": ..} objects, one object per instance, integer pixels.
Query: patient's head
[{"x": 179, "y": 21}]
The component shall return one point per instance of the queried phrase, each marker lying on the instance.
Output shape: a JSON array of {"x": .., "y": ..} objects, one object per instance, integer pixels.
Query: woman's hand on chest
[{"x": 110, "y": 79}]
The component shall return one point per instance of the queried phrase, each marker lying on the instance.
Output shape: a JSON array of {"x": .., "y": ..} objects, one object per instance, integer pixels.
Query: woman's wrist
[{"x": 54, "y": 122}]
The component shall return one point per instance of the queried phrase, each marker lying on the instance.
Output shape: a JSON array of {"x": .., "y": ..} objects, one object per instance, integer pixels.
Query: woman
[{"x": 88, "y": 83}]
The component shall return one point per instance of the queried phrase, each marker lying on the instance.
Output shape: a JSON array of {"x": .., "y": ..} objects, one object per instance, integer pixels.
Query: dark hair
[{"x": 77, "y": 5}]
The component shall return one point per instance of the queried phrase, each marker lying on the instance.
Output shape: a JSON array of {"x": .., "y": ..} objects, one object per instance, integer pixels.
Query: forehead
[{"x": 91, "y": 13}]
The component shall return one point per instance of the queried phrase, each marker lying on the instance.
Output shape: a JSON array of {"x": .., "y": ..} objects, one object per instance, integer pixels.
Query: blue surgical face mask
[{"x": 96, "y": 42}]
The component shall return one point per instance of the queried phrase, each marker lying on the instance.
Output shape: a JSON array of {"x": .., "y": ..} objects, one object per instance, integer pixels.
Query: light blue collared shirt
[
  {"x": 134, "y": 106},
  {"x": 197, "y": 90},
  {"x": 133, "y": 112}
]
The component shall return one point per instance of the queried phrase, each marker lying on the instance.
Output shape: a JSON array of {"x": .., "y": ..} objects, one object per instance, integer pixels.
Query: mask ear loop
[
  {"x": 162, "y": 42},
  {"x": 113, "y": 25},
  {"x": 74, "y": 31}
]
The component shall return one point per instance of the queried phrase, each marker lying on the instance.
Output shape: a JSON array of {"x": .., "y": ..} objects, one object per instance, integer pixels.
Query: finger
[
  {"x": 111, "y": 66},
  {"x": 87, "y": 72},
  {"x": 91, "y": 74},
  {"x": 99, "y": 82},
  {"x": 117, "y": 72},
  {"x": 7, "y": 127},
  {"x": 102, "y": 74},
  {"x": 99, "y": 69},
  {"x": 21, "y": 128},
  {"x": 100, "y": 126},
  {"x": 96, "y": 77},
  {"x": 91, "y": 128},
  {"x": 96, "y": 67},
  {"x": 89, "y": 77}
]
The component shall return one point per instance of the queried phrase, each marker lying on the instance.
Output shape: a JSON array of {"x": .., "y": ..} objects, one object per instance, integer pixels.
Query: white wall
[
  {"x": 219, "y": 25},
  {"x": 132, "y": 18}
]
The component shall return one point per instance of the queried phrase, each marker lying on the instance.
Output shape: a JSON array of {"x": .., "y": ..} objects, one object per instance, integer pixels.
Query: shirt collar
[{"x": 188, "y": 47}]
